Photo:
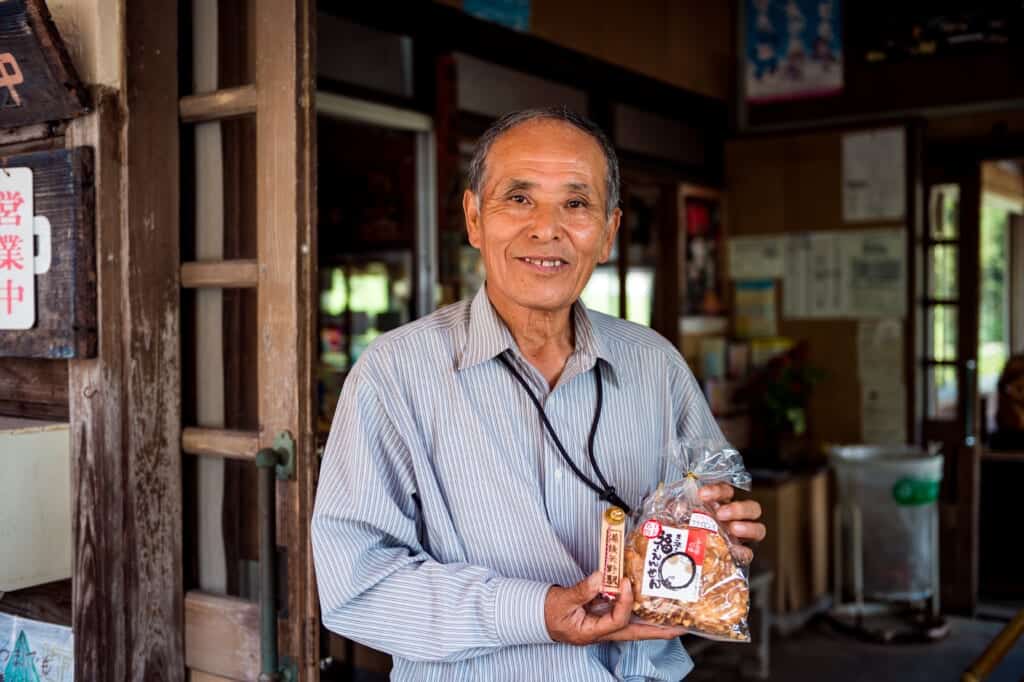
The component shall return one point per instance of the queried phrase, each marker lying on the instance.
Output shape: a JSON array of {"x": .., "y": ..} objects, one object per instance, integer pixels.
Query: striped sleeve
[{"x": 377, "y": 584}]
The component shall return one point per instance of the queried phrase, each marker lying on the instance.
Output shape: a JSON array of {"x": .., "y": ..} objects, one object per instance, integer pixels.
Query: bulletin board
[{"x": 792, "y": 183}]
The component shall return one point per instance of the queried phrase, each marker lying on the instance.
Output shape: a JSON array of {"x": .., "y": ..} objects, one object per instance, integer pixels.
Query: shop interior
[
  {"x": 832, "y": 234},
  {"x": 698, "y": 182}
]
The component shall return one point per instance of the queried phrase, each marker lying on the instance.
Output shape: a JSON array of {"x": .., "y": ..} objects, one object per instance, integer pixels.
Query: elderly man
[{"x": 474, "y": 450}]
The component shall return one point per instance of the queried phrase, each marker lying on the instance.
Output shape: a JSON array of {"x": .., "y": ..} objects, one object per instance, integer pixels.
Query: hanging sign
[
  {"x": 47, "y": 255},
  {"x": 38, "y": 82},
  {"x": 19, "y": 262}
]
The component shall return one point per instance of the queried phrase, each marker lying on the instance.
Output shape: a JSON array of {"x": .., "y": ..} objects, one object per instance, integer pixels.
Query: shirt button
[{"x": 558, "y": 474}]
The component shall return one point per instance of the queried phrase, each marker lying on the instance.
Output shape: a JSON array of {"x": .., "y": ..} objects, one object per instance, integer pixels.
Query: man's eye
[
  {"x": 518, "y": 198},
  {"x": 577, "y": 203}
]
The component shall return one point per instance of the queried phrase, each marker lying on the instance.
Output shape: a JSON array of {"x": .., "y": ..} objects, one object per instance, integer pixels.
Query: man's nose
[{"x": 547, "y": 224}]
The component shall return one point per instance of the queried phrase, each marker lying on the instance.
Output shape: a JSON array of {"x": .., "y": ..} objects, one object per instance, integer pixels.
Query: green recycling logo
[{"x": 914, "y": 491}]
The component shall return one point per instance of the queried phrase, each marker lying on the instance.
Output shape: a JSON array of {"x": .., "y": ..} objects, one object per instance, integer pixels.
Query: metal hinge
[{"x": 281, "y": 456}]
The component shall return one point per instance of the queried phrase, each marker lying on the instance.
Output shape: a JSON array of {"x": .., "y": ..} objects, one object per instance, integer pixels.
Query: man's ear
[
  {"x": 611, "y": 232},
  {"x": 471, "y": 209}
]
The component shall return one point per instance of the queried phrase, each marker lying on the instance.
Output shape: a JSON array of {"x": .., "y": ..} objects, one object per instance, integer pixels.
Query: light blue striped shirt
[{"x": 444, "y": 511}]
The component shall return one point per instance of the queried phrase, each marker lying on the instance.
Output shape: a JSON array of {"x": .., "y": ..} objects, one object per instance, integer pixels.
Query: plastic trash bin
[{"x": 889, "y": 494}]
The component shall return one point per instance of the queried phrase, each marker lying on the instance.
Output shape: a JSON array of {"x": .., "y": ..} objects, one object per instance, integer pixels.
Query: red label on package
[{"x": 696, "y": 543}]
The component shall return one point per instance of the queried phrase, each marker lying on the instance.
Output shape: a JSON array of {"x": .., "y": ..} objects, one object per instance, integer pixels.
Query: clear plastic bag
[{"x": 679, "y": 559}]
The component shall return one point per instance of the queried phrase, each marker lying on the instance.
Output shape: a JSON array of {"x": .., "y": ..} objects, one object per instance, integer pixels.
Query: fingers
[
  {"x": 585, "y": 590},
  {"x": 620, "y": 614},
  {"x": 747, "y": 531},
  {"x": 716, "y": 492},
  {"x": 637, "y": 631},
  {"x": 742, "y": 555},
  {"x": 744, "y": 510}
]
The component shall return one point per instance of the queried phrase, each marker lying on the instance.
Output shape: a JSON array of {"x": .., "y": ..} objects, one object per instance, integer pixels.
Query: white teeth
[{"x": 543, "y": 263}]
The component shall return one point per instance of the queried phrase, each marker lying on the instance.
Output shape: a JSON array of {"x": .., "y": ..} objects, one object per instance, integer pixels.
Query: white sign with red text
[{"x": 19, "y": 262}]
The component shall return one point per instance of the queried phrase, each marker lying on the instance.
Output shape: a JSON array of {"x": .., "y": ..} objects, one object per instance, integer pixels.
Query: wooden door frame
[
  {"x": 125, "y": 405},
  {"x": 960, "y": 162},
  {"x": 286, "y": 148}
]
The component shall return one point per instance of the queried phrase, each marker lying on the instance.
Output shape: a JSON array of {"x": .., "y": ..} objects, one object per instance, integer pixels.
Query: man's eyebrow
[
  {"x": 515, "y": 185},
  {"x": 577, "y": 186}
]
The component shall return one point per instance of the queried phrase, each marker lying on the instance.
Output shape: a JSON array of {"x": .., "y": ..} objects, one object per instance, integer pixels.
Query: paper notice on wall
[
  {"x": 754, "y": 309},
  {"x": 842, "y": 274},
  {"x": 874, "y": 175},
  {"x": 31, "y": 650},
  {"x": 757, "y": 257},
  {"x": 883, "y": 411},
  {"x": 795, "y": 286},
  {"x": 880, "y": 349},
  {"x": 883, "y": 391},
  {"x": 876, "y": 273},
  {"x": 813, "y": 284},
  {"x": 825, "y": 276}
]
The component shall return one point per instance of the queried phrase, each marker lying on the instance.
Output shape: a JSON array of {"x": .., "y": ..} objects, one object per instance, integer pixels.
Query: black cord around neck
[{"x": 604, "y": 491}]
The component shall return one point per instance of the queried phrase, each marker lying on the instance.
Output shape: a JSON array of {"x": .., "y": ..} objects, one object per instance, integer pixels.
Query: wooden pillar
[{"x": 125, "y": 404}]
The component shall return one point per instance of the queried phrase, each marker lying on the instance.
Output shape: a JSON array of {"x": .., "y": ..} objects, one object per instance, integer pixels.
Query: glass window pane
[
  {"x": 942, "y": 393},
  {"x": 945, "y": 211},
  {"x": 994, "y": 313},
  {"x": 942, "y": 332},
  {"x": 352, "y": 53},
  {"x": 639, "y": 295},
  {"x": 602, "y": 291},
  {"x": 942, "y": 272}
]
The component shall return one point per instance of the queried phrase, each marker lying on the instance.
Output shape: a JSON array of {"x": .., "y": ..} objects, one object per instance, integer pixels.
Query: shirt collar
[{"x": 487, "y": 336}]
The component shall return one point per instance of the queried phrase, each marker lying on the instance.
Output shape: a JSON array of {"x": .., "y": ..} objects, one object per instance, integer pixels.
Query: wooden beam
[
  {"x": 229, "y": 274},
  {"x": 34, "y": 380},
  {"x": 220, "y": 443},
  {"x": 50, "y": 603},
  {"x": 222, "y": 636},
  {"x": 200, "y": 676},
  {"x": 218, "y": 105},
  {"x": 126, "y": 403},
  {"x": 285, "y": 194}
]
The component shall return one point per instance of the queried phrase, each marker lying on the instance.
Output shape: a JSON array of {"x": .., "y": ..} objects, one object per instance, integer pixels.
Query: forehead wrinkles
[{"x": 546, "y": 147}]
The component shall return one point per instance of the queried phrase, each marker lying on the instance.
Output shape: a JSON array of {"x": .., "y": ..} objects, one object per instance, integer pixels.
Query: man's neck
[{"x": 545, "y": 338}]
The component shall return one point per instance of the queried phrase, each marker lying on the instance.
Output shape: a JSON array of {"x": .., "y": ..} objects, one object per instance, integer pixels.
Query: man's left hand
[{"x": 739, "y": 518}]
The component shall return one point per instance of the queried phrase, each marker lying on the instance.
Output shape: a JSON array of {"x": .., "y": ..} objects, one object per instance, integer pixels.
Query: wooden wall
[
  {"x": 686, "y": 43},
  {"x": 791, "y": 183}
]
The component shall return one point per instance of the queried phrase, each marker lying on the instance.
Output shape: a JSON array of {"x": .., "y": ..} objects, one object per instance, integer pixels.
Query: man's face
[{"x": 541, "y": 225}]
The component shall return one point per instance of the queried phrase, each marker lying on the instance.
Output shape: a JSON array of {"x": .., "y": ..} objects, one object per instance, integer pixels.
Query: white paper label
[
  {"x": 673, "y": 564},
  {"x": 702, "y": 520},
  {"x": 17, "y": 253}
]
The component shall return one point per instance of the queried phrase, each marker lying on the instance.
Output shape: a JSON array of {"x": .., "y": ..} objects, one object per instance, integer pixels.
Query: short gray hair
[{"x": 477, "y": 167}]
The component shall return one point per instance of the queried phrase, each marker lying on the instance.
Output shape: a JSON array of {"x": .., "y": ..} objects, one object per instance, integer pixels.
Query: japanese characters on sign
[
  {"x": 47, "y": 255},
  {"x": 674, "y": 563},
  {"x": 38, "y": 83},
  {"x": 17, "y": 271},
  {"x": 10, "y": 78}
]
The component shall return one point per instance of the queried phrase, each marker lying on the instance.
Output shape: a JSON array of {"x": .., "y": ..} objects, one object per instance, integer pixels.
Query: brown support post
[
  {"x": 127, "y": 609},
  {"x": 285, "y": 124}
]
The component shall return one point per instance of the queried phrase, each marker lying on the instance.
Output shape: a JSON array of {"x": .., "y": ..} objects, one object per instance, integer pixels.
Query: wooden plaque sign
[
  {"x": 37, "y": 80},
  {"x": 47, "y": 255}
]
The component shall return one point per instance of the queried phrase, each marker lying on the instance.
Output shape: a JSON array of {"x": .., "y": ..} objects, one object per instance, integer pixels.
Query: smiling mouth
[{"x": 545, "y": 264}]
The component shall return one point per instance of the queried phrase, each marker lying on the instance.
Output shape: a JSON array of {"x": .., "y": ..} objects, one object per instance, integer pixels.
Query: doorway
[
  {"x": 377, "y": 229},
  {"x": 1000, "y": 303}
]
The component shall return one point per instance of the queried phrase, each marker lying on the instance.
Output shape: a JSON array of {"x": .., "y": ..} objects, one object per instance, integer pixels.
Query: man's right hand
[{"x": 567, "y": 619}]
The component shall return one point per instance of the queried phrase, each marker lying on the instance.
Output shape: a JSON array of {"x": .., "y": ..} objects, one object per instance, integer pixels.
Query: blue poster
[
  {"x": 794, "y": 49},
  {"x": 514, "y": 14},
  {"x": 31, "y": 651}
]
